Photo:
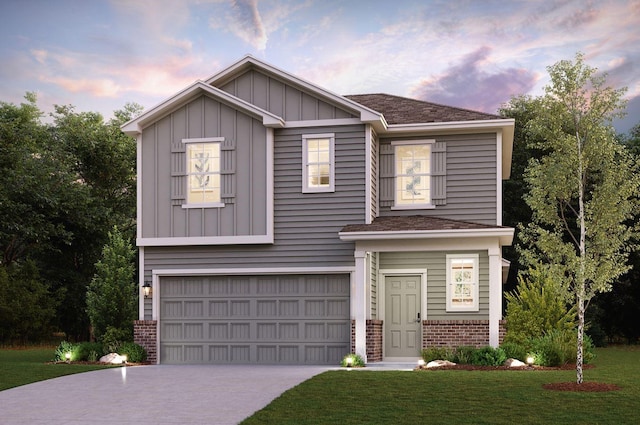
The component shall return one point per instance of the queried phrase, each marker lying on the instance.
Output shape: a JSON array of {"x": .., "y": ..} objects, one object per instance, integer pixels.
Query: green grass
[
  {"x": 462, "y": 397},
  {"x": 24, "y": 366}
]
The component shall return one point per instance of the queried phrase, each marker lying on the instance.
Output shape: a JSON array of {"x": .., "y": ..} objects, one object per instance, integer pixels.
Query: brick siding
[
  {"x": 452, "y": 333},
  {"x": 145, "y": 333}
]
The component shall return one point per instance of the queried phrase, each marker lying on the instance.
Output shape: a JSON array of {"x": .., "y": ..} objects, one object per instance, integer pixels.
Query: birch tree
[{"x": 582, "y": 191}]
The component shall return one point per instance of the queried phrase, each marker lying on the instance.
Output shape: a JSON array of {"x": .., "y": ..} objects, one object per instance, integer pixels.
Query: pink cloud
[{"x": 468, "y": 85}]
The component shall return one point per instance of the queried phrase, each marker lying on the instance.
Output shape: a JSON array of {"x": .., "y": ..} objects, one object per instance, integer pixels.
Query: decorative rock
[
  {"x": 113, "y": 358},
  {"x": 514, "y": 363},
  {"x": 439, "y": 363}
]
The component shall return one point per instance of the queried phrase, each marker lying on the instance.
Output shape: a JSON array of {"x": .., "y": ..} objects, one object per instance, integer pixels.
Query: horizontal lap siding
[
  {"x": 471, "y": 178},
  {"x": 306, "y": 225},
  {"x": 435, "y": 263}
]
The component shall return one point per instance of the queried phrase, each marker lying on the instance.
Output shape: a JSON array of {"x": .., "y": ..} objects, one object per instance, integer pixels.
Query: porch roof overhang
[{"x": 423, "y": 227}]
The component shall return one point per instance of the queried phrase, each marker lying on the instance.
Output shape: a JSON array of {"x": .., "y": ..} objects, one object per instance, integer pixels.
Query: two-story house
[{"x": 279, "y": 222}]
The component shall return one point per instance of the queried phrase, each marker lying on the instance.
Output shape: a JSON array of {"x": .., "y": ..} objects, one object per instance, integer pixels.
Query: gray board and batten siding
[
  {"x": 164, "y": 173},
  {"x": 435, "y": 264},
  {"x": 282, "y": 99},
  {"x": 464, "y": 178}
]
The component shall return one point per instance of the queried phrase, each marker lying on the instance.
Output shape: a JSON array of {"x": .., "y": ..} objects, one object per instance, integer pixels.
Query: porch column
[
  {"x": 495, "y": 295},
  {"x": 359, "y": 302}
]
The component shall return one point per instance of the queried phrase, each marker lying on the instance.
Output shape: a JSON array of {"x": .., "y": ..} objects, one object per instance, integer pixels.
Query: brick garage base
[
  {"x": 374, "y": 339},
  {"x": 452, "y": 333},
  {"x": 145, "y": 333}
]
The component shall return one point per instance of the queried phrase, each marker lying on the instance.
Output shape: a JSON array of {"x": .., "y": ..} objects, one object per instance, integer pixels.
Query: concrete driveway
[{"x": 156, "y": 395}]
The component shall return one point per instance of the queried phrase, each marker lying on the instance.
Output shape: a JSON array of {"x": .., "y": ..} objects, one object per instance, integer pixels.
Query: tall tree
[
  {"x": 582, "y": 190},
  {"x": 111, "y": 297}
]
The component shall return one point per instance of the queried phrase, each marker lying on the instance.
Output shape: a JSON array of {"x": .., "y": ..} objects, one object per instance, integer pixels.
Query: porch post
[
  {"x": 495, "y": 295},
  {"x": 358, "y": 304}
]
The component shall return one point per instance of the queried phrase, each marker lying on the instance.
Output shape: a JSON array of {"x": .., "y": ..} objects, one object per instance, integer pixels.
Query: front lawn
[
  {"x": 24, "y": 366},
  {"x": 462, "y": 397}
]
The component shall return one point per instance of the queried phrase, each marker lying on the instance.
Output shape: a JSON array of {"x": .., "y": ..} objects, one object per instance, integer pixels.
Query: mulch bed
[
  {"x": 558, "y": 386},
  {"x": 590, "y": 387}
]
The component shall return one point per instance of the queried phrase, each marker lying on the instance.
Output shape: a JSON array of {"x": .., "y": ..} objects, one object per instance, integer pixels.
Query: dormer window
[
  {"x": 413, "y": 174},
  {"x": 318, "y": 166}
]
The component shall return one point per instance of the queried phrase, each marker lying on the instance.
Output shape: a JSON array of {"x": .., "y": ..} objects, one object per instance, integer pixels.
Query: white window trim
[
  {"x": 428, "y": 205},
  {"x": 476, "y": 288},
  {"x": 186, "y": 204},
  {"x": 332, "y": 163}
]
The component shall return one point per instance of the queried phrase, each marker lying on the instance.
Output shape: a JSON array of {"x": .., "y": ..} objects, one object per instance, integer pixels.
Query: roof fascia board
[
  {"x": 190, "y": 92},
  {"x": 504, "y": 234},
  {"x": 366, "y": 115}
]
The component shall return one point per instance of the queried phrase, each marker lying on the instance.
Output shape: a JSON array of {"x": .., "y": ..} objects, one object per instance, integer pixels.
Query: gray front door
[{"x": 402, "y": 316}]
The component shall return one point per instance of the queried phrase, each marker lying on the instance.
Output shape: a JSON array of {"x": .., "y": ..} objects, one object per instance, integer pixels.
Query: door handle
[{"x": 418, "y": 319}]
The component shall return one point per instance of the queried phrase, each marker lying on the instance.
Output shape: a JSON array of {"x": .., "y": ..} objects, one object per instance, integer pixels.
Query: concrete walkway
[{"x": 155, "y": 395}]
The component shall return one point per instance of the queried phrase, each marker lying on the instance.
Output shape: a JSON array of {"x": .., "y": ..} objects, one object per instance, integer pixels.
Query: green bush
[
  {"x": 352, "y": 360},
  {"x": 135, "y": 353},
  {"x": 89, "y": 351},
  {"x": 113, "y": 338},
  {"x": 63, "y": 348},
  {"x": 558, "y": 348},
  {"x": 437, "y": 353},
  {"x": 489, "y": 356},
  {"x": 463, "y": 354},
  {"x": 514, "y": 350},
  {"x": 536, "y": 308}
]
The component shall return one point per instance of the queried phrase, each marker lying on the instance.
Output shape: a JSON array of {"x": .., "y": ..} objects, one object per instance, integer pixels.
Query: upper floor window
[
  {"x": 318, "y": 164},
  {"x": 462, "y": 282},
  {"x": 412, "y": 174},
  {"x": 203, "y": 172}
]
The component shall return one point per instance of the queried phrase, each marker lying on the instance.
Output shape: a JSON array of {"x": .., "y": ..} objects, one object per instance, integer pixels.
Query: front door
[{"x": 402, "y": 316}]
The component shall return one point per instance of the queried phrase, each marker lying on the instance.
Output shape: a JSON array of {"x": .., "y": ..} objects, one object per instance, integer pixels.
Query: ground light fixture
[
  {"x": 421, "y": 363},
  {"x": 67, "y": 356},
  {"x": 147, "y": 288},
  {"x": 530, "y": 360},
  {"x": 349, "y": 361}
]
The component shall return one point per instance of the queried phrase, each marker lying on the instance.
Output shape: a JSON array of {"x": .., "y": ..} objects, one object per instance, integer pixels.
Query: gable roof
[
  {"x": 135, "y": 126},
  {"x": 249, "y": 62},
  {"x": 403, "y": 110}
]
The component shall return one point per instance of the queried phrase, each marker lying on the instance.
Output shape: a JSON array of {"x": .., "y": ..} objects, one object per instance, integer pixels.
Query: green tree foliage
[
  {"x": 27, "y": 307},
  {"x": 536, "y": 308},
  {"x": 112, "y": 294},
  {"x": 63, "y": 186},
  {"x": 582, "y": 191}
]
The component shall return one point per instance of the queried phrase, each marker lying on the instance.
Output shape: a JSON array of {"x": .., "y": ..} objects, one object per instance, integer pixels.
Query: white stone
[
  {"x": 439, "y": 363},
  {"x": 113, "y": 358},
  {"x": 514, "y": 363}
]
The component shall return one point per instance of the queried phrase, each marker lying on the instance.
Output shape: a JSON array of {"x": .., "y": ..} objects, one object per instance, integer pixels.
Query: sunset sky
[{"x": 100, "y": 54}]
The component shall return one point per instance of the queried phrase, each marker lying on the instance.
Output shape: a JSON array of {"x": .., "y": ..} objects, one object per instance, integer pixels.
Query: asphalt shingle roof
[
  {"x": 415, "y": 222},
  {"x": 403, "y": 110}
]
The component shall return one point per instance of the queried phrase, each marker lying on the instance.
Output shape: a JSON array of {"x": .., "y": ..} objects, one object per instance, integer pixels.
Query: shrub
[
  {"x": 463, "y": 354},
  {"x": 437, "y": 353},
  {"x": 65, "y": 347},
  {"x": 514, "y": 350},
  {"x": 489, "y": 356},
  {"x": 135, "y": 353},
  {"x": 352, "y": 360},
  {"x": 558, "y": 348},
  {"x": 113, "y": 338},
  {"x": 536, "y": 308},
  {"x": 89, "y": 351}
]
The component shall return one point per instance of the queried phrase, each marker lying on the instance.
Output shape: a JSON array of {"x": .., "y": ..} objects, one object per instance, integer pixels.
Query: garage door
[{"x": 254, "y": 319}]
